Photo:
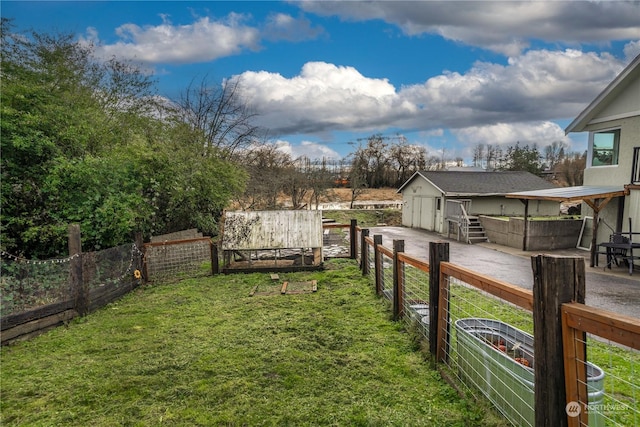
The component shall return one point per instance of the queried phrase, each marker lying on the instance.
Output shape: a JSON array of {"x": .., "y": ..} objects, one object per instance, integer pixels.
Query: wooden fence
[
  {"x": 89, "y": 281},
  {"x": 556, "y": 304}
]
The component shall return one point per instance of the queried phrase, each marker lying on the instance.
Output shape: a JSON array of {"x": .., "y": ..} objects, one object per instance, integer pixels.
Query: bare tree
[
  {"x": 296, "y": 183},
  {"x": 478, "y": 155},
  {"x": 219, "y": 115},
  {"x": 570, "y": 171},
  {"x": 405, "y": 160},
  {"x": 267, "y": 166},
  {"x": 358, "y": 175},
  {"x": 320, "y": 180},
  {"x": 554, "y": 153}
]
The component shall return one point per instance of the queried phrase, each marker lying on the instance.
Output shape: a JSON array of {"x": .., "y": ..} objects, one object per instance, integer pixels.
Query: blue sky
[{"x": 322, "y": 74}]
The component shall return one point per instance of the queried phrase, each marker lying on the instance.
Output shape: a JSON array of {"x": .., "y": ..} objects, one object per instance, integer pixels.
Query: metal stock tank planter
[{"x": 498, "y": 359}]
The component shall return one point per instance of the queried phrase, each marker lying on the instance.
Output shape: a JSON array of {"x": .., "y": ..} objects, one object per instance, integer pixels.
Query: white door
[{"x": 423, "y": 213}]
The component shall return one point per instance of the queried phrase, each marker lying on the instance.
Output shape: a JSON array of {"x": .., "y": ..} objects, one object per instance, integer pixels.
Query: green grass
[
  {"x": 202, "y": 352},
  {"x": 365, "y": 217}
]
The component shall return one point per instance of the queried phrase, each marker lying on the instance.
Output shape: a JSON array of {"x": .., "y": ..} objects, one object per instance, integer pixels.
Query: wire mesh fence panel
[
  {"x": 336, "y": 242},
  {"x": 416, "y": 298},
  {"x": 358, "y": 240},
  {"x": 192, "y": 258},
  {"x": 490, "y": 350},
  {"x": 371, "y": 262},
  {"x": 386, "y": 282},
  {"x": 612, "y": 384},
  {"x": 110, "y": 267},
  {"x": 27, "y": 284}
]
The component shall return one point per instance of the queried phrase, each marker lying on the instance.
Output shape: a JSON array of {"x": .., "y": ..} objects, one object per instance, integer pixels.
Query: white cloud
[
  {"x": 280, "y": 26},
  {"x": 312, "y": 150},
  {"x": 323, "y": 97},
  {"x": 201, "y": 41},
  {"x": 536, "y": 87},
  {"x": 540, "y": 85},
  {"x": 505, "y": 27},
  {"x": 506, "y": 134},
  {"x": 631, "y": 50}
]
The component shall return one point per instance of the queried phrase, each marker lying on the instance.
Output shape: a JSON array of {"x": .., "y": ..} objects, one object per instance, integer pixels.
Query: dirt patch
[{"x": 372, "y": 194}]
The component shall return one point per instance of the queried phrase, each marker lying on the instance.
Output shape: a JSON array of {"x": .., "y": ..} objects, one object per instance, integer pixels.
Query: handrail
[
  {"x": 465, "y": 223},
  {"x": 462, "y": 218}
]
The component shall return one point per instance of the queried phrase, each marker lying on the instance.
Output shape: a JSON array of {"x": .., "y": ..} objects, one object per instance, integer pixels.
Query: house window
[
  {"x": 605, "y": 147},
  {"x": 438, "y": 201}
]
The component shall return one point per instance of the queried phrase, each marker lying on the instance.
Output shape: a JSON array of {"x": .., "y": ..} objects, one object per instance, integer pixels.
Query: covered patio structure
[{"x": 597, "y": 197}]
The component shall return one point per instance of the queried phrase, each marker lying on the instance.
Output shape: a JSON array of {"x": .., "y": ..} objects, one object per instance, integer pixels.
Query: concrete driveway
[{"x": 614, "y": 290}]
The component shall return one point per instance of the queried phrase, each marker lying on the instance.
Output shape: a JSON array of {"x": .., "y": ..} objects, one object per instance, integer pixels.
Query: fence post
[
  {"x": 398, "y": 280},
  {"x": 215, "y": 266},
  {"x": 364, "y": 252},
  {"x": 438, "y": 252},
  {"x": 556, "y": 280},
  {"x": 81, "y": 298},
  {"x": 139, "y": 253},
  {"x": 353, "y": 238},
  {"x": 377, "y": 240}
]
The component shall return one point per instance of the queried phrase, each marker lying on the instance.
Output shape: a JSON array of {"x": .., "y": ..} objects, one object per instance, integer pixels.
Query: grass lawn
[{"x": 203, "y": 352}]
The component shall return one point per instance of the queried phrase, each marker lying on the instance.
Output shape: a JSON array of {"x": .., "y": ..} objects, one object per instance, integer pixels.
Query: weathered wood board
[{"x": 272, "y": 230}]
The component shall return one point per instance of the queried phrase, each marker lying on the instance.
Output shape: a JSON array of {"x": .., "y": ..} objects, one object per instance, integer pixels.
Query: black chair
[
  {"x": 629, "y": 257},
  {"x": 617, "y": 253},
  {"x": 620, "y": 248}
]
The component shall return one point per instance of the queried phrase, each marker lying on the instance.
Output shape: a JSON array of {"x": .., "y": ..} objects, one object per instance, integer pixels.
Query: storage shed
[
  {"x": 272, "y": 240},
  {"x": 440, "y": 200}
]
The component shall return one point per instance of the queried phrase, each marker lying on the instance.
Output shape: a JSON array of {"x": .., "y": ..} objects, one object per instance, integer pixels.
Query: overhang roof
[
  {"x": 570, "y": 194},
  {"x": 632, "y": 71}
]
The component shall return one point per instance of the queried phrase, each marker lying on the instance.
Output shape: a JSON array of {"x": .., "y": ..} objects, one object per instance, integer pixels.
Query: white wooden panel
[{"x": 272, "y": 230}]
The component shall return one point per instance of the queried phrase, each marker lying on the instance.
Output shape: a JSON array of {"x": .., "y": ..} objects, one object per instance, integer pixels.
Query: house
[
  {"x": 612, "y": 176},
  {"x": 450, "y": 201}
]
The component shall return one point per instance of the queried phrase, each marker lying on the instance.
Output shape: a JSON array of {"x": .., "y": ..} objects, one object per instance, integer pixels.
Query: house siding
[
  {"x": 616, "y": 175},
  {"x": 619, "y": 174}
]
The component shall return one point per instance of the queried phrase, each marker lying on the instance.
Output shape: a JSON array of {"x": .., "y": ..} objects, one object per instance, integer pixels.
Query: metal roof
[
  {"x": 473, "y": 183},
  {"x": 568, "y": 194}
]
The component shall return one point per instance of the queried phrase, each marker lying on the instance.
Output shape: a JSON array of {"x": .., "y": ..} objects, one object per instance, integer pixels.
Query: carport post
[{"x": 525, "y": 230}]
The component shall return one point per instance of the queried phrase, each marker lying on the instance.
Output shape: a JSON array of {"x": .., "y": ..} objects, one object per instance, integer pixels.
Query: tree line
[
  {"x": 564, "y": 168},
  {"x": 90, "y": 141}
]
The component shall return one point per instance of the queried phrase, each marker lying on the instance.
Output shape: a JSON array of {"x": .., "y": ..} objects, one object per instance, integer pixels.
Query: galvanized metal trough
[{"x": 498, "y": 360}]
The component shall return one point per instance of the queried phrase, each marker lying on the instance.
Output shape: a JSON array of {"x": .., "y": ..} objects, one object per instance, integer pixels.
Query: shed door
[{"x": 423, "y": 213}]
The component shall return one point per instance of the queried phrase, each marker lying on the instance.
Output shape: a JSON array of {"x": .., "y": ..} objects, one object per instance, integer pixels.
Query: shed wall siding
[
  {"x": 419, "y": 203},
  {"x": 272, "y": 230}
]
